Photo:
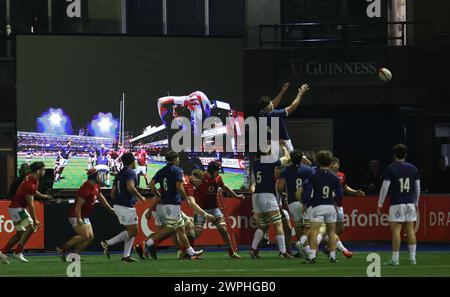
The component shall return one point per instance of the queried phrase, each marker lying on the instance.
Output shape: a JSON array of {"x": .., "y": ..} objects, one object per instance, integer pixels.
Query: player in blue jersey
[
  {"x": 326, "y": 194},
  {"x": 401, "y": 181},
  {"x": 265, "y": 204},
  {"x": 290, "y": 181},
  {"x": 171, "y": 192},
  {"x": 102, "y": 165},
  {"x": 29, "y": 156},
  {"x": 268, "y": 108},
  {"x": 64, "y": 155},
  {"x": 125, "y": 195},
  {"x": 92, "y": 153}
]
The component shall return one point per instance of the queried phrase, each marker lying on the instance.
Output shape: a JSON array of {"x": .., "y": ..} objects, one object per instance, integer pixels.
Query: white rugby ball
[{"x": 384, "y": 74}]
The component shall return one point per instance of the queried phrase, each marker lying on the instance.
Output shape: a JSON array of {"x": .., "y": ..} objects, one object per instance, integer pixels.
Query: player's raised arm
[
  {"x": 286, "y": 156},
  {"x": 131, "y": 187},
  {"x": 276, "y": 101},
  {"x": 32, "y": 210},
  {"x": 294, "y": 105}
]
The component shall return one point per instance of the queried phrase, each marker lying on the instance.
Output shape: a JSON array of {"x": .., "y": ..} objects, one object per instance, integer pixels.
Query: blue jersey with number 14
[{"x": 403, "y": 176}]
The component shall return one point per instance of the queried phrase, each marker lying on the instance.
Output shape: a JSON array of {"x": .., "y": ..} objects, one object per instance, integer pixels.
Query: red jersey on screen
[
  {"x": 342, "y": 178},
  {"x": 114, "y": 154},
  {"x": 141, "y": 156},
  {"x": 27, "y": 188},
  {"x": 207, "y": 192},
  {"x": 89, "y": 193}
]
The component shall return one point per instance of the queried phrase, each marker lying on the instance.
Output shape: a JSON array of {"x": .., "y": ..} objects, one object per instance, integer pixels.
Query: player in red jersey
[
  {"x": 207, "y": 187},
  {"x": 113, "y": 160},
  {"x": 23, "y": 214},
  {"x": 142, "y": 160},
  {"x": 335, "y": 164},
  {"x": 81, "y": 211}
]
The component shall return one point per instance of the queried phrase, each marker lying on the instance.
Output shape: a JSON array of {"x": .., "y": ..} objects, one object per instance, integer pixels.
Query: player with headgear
[{"x": 208, "y": 185}]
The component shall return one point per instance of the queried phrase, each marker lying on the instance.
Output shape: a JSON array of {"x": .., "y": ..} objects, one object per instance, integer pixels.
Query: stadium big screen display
[{"x": 82, "y": 101}]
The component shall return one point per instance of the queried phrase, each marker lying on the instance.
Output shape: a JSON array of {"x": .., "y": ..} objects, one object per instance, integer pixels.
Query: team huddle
[{"x": 292, "y": 186}]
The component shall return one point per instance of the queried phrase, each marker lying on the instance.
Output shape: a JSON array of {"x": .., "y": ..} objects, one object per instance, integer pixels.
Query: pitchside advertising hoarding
[
  {"x": 7, "y": 226},
  {"x": 361, "y": 222}
]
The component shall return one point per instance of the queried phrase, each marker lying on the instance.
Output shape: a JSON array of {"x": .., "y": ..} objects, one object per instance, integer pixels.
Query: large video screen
[{"x": 82, "y": 101}]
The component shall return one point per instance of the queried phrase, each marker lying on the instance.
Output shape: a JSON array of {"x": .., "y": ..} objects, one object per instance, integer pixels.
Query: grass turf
[
  {"x": 218, "y": 264},
  {"x": 75, "y": 173}
]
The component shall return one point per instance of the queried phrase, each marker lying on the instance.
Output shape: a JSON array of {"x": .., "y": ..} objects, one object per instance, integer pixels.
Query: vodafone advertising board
[
  {"x": 361, "y": 221},
  {"x": 7, "y": 226}
]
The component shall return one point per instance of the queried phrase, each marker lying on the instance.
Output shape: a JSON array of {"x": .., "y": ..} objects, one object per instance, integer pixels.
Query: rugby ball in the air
[{"x": 384, "y": 74}]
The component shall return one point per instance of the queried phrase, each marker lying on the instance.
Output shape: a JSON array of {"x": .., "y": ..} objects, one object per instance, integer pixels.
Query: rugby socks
[
  {"x": 412, "y": 251},
  {"x": 333, "y": 255},
  {"x": 281, "y": 243},
  {"x": 150, "y": 242},
  {"x": 19, "y": 249},
  {"x": 190, "y": 251},
  {"x": 340, "y": 246},
  {"x": 312, "y": 254},
  {"x": 122, "y": 236},
  {"x": 319, "y": 238},
  {"x": 395, "y": 256},
  {"x": 127, "y": 247},
  {"x": 257, "y": 238},
  {"x": 303, "y": 240}
]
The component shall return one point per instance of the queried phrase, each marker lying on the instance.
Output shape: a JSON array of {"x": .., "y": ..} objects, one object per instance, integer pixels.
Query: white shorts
[
  {"x": 402, "y": 213},
  {"x": 102, "y": 167},
  {"x": 200, "y": 219},
  {"x": 63, "y": 162},
  {"x": 295, "y": 209},
  {"x": 160, "y": 221},
  {"x": 73, "y": 221},
  {"x": 170, "y": 215},
  {"x": 340, "y": 215},
  {"x": 264, "y": 202},
  {"x": 20, "y": 217},
  {"x": 127, "y": 215},
  {"x": 141, "y": 170},
  {"x": 322, "y": 214},
  {"x": 91, "y": 159}
]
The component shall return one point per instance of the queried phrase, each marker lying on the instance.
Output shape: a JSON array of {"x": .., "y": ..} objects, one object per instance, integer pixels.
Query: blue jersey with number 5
[
  {"x": 264, "y": 174},
  {"x": 403, "y": 177},
  {"x": 167, "y": 177},
  {"x": 295, "y": 177}
]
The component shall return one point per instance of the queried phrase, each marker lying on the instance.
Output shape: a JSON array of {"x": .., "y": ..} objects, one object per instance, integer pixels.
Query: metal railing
[{"x": 340, "y": 33}]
